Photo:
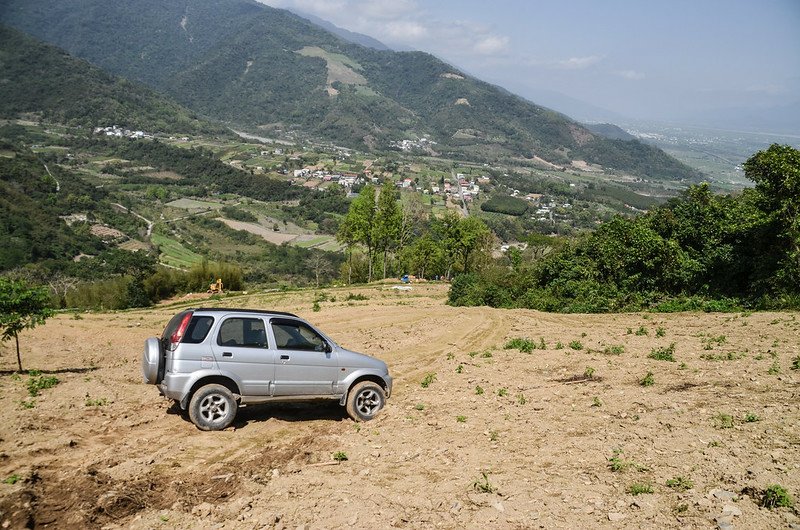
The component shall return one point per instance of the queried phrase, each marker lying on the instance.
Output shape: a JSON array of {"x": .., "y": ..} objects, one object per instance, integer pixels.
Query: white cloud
[
  {"x": 385, "y": 9},
  {"x": 632, "y": 75},
  {"x": 491, "y": 45},
  {"x": 578, "y": 63},
  {"x": 406, "y": 31}
]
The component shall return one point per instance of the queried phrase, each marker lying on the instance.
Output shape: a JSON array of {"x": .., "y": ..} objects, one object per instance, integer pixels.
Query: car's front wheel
[
  {"x": 365, "y": 400},
  {"x": 212, "y": 408}
]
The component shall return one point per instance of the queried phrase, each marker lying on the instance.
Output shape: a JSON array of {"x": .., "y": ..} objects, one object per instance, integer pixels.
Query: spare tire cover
[{"x": 151, "y": 360}]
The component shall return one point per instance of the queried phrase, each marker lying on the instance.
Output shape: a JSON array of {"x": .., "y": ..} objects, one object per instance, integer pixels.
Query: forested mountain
[
  {"x": 39, "y": 78},
  {"x": 255, "y": 66}
]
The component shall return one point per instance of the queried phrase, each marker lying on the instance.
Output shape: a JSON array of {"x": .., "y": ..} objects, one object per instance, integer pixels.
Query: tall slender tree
[{"x": 388, "y": 222}]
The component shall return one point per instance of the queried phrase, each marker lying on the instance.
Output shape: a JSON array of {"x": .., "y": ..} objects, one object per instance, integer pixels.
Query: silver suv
[{"x": 212, "y": 361}]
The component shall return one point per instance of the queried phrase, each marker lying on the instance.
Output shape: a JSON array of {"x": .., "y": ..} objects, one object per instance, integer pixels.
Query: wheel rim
[
  {"x": 368, "y": 402},
  {"x": 214, "y": 408}
]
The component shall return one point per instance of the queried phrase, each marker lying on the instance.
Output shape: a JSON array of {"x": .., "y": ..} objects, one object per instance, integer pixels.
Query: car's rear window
[{"x": 198, "y": 329}]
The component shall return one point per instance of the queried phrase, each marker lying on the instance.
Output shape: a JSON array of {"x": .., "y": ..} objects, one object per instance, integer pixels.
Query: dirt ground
[{"x": 554, "y": 438}]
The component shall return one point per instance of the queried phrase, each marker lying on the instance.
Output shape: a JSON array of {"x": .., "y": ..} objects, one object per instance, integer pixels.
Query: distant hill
[
  {"x": 39, "y": 78},
  {"x": 259, "y": 67},
  {"x": 609, "y": 130},
  {"x": 350, "y": 36}
]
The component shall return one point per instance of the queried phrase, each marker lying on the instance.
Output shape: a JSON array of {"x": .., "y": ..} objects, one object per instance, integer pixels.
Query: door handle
[
  {"x": 227, "y": 354},
  {"x": 284, "y": 357}
]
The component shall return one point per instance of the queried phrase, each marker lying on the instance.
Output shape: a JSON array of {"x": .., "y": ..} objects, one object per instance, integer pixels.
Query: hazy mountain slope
[
  {"x": 350, "y": 36},
  {"x": 253, "y": 65},
  {"x": 39, "y": 78}
]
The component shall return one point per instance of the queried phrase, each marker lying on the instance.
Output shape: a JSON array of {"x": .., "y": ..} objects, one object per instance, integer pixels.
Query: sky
[{"x": 661, "y": 60}]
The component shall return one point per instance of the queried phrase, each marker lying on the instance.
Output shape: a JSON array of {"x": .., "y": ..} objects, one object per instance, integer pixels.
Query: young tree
[
  {"x": 358, "y": 224},
  {"x": 388, "y": 222},
  {"x": 21, "y": 307}
]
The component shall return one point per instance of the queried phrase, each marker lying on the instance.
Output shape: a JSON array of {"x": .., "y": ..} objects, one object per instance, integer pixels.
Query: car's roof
[{"x": 238, "y": 310}]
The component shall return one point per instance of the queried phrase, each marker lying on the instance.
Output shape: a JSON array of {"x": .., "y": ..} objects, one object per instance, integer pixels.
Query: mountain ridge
[{"x": 238, "y": 61}]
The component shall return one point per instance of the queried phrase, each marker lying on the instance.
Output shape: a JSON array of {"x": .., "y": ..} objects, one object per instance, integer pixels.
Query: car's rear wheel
[
  {"x": 365, "y": 401},
  {"x": 212, "y": 408}
]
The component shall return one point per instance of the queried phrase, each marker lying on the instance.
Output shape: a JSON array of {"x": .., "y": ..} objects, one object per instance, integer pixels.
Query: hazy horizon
[{"x": 713, "y": 63}]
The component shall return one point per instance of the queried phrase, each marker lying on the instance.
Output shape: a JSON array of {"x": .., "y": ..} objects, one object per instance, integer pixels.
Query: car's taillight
[{"x": 177, "y": 336}]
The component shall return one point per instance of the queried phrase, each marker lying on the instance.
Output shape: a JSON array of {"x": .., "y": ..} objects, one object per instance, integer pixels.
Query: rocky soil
[{"x": 560, "y": 437}]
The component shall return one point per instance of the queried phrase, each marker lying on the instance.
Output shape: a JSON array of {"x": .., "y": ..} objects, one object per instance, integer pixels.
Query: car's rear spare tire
[
  {"x": 365, "y": 400},
  {"x": 152, "y": 361},
  {"x": 212, "y": 408}
]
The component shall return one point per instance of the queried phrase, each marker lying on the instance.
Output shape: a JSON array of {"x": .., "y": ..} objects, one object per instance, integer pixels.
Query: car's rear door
[{"x": 241, "y": 346}]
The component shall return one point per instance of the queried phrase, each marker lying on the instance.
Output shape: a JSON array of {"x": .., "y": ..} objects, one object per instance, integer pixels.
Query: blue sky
[{"x": 658, "y": 60}]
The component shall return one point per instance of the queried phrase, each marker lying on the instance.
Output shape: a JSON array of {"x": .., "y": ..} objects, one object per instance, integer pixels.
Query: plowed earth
[{"x": 498, "y": 439}]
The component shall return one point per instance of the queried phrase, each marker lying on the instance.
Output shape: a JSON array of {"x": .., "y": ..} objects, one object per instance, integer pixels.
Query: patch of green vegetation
[
  {"x": 461, "y": 419},
  {"x": 751, "y": 417},
  {"x": 479, "y": 390},
  {"x": 614, "y": 350},
  {"x": 641, "y": 332},
  {"x": 37, "y": 384},
  {"x": 521, "y": 344},
  {"x": 640, "y": 488},
  {"x": 723, "y": 421},
  {"x": 173, "y": 253},
  {"x": 427, "y": 380},
  {"x": 482, "y": 485},
  {"x": 340, "y": 456},
  {"x": 663, "y": 354},
  {"x": 576, "y": 345},
  {"x": 660, "y": 332},
  {"x": 648, "y": 380},
  {"x": 419, "y": 406},
  {"x": 13, "y": 479},
  {"x": 680, "y": 483},
  {"x": 776, "y": 496},
  {"x": 774, "y": 369},
  {"x": 96, "y": 402},
  {"x": 502, "y": 392}
]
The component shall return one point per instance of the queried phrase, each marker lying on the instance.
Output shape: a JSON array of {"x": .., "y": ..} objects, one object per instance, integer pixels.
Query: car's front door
[
  {"x": 305, "y": 364},
  {"x": 241, "y": 347}
]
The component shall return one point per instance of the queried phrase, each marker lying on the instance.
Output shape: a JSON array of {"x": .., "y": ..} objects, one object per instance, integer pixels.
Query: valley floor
[{"x": 499, "y": 439}]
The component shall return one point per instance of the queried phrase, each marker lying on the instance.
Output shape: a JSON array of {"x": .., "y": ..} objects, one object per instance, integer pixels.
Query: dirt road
[{"x": 555, "y": 438}]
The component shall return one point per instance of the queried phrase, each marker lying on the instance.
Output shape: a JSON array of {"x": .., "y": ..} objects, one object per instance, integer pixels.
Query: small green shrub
[
  {"x": 641, "y": 332},
  {"x": 487, "y": 354},
  {"x": 37, "y": 384},
  {"x": 523, "y": 345},
  {"x": 521, "y": 399},
  {"x": 776, "y": 496},
  {"x": 27, "y": 404},
  {"x": 576, "y": 345},
  {"x": 479, "y": 390},
  {"x": 427, "y": 380},
  {"x": 663, "y": 354},
  {"x": 357, "y": 296},
  {"x": 589, "y": 372},
  {"x": 680, "y": 483},
  {"x": 723, "y": 421},
  {"x": 542, "y": 344},
  {"x": 596, "y": 402},
  {"x": 97, "y": 402},
  {"x": 459, "y": 368},
  {"x": 639, "y": 489},
  {"x": 614, "y": 350},
  {"x": 751, "y": 417},
  {"x": 461, "y": 419},
  {"x": 340, "y": 456},
  {"x": 13, "y": 479},
  {"x": 648, "y": 380},
  {"x": 502, "y": 392},
  {"x": 796, "y": 363},
  {"x": 483, "y": 485},
  {"x": 660, "y": 332},
  {"x": 774, "y": 369},
  {"x": 315, "y": 308},
  {"x": 559, "y": 346},
  {"x": 419, "y": 406}
]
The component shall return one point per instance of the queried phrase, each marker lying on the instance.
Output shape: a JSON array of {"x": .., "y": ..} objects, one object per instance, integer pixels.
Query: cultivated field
[{"x": 561, "y": 437}]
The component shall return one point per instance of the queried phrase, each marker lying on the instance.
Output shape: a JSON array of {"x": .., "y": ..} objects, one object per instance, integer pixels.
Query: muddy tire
[
  {"x": 212, "y": 408},
  {"x": 365, "y": 401}
]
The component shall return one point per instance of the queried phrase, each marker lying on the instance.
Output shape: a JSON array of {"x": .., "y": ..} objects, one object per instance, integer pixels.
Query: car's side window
[
  {"x": 293, "y": 335},
  {"x": 243, "y": 332}
]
